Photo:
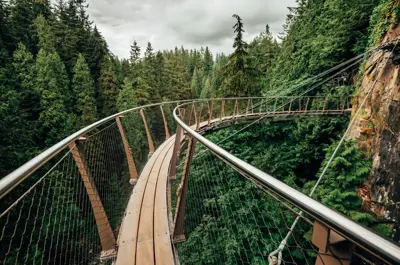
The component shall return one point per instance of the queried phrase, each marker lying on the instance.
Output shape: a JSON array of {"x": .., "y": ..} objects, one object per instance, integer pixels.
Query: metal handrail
[
  {"x": 358, "y": 234},
  {"x": 10, "y": 181}
]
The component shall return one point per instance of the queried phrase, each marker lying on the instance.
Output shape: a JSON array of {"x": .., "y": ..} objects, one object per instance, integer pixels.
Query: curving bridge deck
[
  {"x": 97, "y": 167},
  {"x": 145, "y": 234}
]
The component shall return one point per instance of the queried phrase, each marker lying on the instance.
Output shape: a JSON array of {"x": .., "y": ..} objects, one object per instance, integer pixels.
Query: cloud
[{"x": 191, "y": 23}]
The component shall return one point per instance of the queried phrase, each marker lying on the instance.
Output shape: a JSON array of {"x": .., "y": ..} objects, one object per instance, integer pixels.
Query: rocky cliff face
[{"x": 377, "y": 128}]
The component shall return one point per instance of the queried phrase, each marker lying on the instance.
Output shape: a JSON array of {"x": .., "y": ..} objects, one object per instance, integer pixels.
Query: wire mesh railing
[
  {"x": 69, "y": 209},
  {"x": 66, "y": 205},
  {"x": 230, "y": 220},
  {"x": 236, "y": 214}
]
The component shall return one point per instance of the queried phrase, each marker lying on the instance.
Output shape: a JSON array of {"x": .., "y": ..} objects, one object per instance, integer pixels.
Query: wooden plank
[
  {"x": 162, "y": 239},
  {"x": 145, "y": 241},
  {"x": 127, "y": 240}
]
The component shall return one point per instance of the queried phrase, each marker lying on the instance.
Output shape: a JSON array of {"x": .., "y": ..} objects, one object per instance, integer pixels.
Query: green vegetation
[{"x": 57, "y": 75}]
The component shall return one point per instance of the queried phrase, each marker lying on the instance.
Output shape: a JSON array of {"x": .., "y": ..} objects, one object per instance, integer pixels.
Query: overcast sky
[{"x": 191, "y": 23}]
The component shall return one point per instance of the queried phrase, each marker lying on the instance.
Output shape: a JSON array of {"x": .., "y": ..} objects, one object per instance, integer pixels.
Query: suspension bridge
[
  {"x": 83, "y": 202},
  {"x": 138, "y": 186}
]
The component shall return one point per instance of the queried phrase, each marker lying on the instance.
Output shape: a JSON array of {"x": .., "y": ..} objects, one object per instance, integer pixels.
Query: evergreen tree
[
  {"x": 83, "y": 88},
  {"x": 45, "y": 35},
  {"x": 196, "y": 84},
  {"x": 208, "y": 61},
  {"x": 108, "y": 88},
  {"x": 126, "y": 97},
  {"x": 24, "y": 80},
  {"x": 52, "y": 86},
  {"x": 240, "y": 78},
  {"x": 160, "y": 76},
  {"x": 207, "y": 91},
  {"x": 135, "y": 53}
]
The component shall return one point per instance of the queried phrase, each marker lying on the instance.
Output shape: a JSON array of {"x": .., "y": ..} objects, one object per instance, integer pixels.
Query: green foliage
[
  {"x": 240, "y": 79},
  {"x": 385, "y": 15},
  {"x": 319, "y": 35},
  {"x": 52, "y": 85},
  {"x": 108, "y": 88},
  {"x": 349, "y": 169},
  {"x": 83, "y": 88}
]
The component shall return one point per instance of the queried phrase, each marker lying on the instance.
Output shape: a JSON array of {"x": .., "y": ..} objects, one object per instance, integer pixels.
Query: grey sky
[{"x": 191, "y": 23}]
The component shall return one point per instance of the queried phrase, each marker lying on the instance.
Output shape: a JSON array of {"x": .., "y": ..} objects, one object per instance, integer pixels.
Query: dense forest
[{"x": 58, "y": 75}]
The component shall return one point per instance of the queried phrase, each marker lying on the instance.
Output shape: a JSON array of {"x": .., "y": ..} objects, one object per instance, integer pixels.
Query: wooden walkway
[{"x": 144, "y": 237}]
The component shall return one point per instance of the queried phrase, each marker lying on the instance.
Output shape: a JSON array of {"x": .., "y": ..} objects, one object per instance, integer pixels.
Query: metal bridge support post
[
  {"x": 235, "y": 108},
  {"x": 222, "y": 110},
  {"x": 129, "y": 158},
  {"x": 308, "y": 101},
  {"x": 333, "y": 248},
  {"x": 149, "y": 139},
  {"x": 178, "y": 234},
  {"x": 210, "y": 112},
  {"x": 177, "y": 148},
  {"x": 198, "y": 118},
  {"x": 323, "y": 109},
  {"x": 248, "y": 107},
  {"x": 106, "y": 234},
  {"x": 174, "y": 159},
  {"x": 167, "y": 135}
]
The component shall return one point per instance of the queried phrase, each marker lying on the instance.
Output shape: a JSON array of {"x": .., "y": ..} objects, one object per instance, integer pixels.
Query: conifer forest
[{"x": 58, "y": 75}]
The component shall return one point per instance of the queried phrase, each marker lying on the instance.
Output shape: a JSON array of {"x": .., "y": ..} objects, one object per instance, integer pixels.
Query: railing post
[
  {"x": 248, "y": 107},
  {"x": 323, "y": 109},
  {"x": 344, "y": 103},
  {"x": 149, "y": 139},
  {"x": 198, "y": 119},
  {"x": 129, "y": 158},
  {"x": 210, "y": 111},
  {"x": 189, "y": 116},
  {"x": 107, "y": 239},
  {"x": 222, "y": 109},
  {"x": 333, "y": 248},
  {"x": 252, "y": 106},
  {"x": 283, "y": 106},
  {"x": 178, "y": 234},
  {"x": 308, "y": 100},
  {"x": 290, "y": 105},
  {"x": 276, "y": 100},
  {"x": 266, "y": 106},
  {"x": 299, "y": 104},
  {"x": 167, "y": 135},
  {"x": 174, "y": 159},
  {"x": 234, "y": 108},
  {"x": 261, "y": 105}
]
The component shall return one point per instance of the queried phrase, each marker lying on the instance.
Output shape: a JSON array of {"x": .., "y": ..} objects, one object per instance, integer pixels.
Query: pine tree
[
  {"x": 52, "y": 86},
  {"x": 135, "y": 53},
  {"x": 207, "y": 61},
  {"x": 240, "y": 77},
  {"x": 207, "y": 91},
  {"x": 24, "y": 79},
  {"x": 196, "y": 84},
  {"x": 108, "y": 88},
  {"x": 126, "y": 97},
  {"x": 83, "y": 88},
  {"x": 45, "y": 35},
  {"x": 160, "y": 76}
]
